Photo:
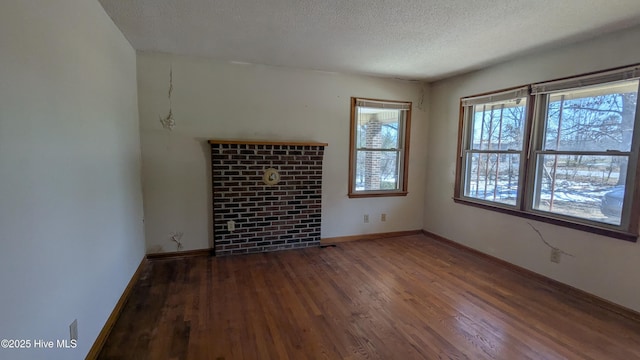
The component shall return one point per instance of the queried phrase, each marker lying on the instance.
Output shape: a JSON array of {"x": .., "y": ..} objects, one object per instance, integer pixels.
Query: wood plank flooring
[{"x": 409, "y": 297}]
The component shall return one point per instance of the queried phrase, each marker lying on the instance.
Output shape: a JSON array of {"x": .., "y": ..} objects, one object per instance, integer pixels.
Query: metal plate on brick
[{"x": 271, "y": 176}]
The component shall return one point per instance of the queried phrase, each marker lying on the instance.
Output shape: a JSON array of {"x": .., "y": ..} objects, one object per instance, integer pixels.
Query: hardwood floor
[{"x": 401, "y": 298}]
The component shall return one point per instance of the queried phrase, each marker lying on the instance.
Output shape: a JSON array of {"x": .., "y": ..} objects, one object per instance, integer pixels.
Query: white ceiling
[{"x": 410, "y": 39}]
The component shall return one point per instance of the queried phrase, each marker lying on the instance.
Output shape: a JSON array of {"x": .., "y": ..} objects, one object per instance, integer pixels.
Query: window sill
[
  {"x": 617, "y": 234},
  {"x": 377, "y": 194}
]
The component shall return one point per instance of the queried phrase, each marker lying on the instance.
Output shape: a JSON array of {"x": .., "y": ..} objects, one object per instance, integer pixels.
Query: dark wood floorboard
[{"x": 400, "y": 298}]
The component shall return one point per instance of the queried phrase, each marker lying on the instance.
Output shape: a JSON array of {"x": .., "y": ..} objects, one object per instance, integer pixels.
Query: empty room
[{"x": 319, "y": 179}]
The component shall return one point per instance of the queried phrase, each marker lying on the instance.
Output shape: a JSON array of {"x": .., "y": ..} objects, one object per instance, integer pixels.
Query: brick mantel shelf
[
  {"x": 267, "y": 217},
  {"x": 265, "y": 142}
]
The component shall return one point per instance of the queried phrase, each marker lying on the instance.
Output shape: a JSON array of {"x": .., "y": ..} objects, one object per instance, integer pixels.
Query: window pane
[
  {"x": 377, "y": 170},
  {"x": 378, "y": 128},
  {"x": 493, "y": 177},
  {"x": 588, "y": 187},
  {"x": 597, "y": 118},
  {"x": 499, "y": 126}
]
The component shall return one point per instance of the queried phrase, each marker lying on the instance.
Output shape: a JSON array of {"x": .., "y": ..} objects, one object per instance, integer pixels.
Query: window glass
[
  {"x": 378, "y": 128},
  {"x": 587, "y": 187},
  {"x": 493, "y": 177},
  {"x": 385, "y": 176},
  {"x": 499, "y": 126},
  {"x": 596, "y": 118}
]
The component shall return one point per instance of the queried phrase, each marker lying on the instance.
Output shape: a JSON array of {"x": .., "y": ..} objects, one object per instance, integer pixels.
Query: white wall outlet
[
  {"x": 73, "y": 330},
  {"x": 556, "y": 254},
  {"x": 383, "y": 217},
  {"x": 366, "y": 218},
  {"x": 231, "y": 225}
]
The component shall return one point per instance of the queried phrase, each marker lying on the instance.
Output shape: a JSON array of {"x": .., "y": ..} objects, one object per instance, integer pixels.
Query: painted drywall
[
  {"x": 221, "y": 100},
  {"x": 602, "y": 266},
  {"x": 70, "y": 191}
]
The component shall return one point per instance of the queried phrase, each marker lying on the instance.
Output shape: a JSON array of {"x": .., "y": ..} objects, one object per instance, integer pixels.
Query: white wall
[
  {"x": 71, "y": 229},
  {"x": 602, "y": 266},
  {"x": 233, "y": 101}
]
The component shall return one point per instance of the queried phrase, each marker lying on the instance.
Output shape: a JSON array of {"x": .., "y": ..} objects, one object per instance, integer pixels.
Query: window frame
[
  {"x": 404, "y": 130},
  {"x": 466, "y": 118},
  {"x": 535, "y": 125}
]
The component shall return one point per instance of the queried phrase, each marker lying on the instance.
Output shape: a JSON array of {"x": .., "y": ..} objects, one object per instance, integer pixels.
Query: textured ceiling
[{"x": 410, "y": 39}]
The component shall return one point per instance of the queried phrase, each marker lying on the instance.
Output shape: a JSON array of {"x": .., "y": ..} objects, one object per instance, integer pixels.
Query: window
[
  {"x": 495, "y": 146},
  {"x": 563, "y": 151},
  {"x": 379, "y": 147}
]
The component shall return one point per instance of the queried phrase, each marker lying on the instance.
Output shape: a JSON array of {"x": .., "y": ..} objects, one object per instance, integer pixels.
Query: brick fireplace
[{"x": 277, "y": 211}]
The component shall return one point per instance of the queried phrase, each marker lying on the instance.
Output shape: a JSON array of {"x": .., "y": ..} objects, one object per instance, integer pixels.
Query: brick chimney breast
[{"x": 267, "y": 217}]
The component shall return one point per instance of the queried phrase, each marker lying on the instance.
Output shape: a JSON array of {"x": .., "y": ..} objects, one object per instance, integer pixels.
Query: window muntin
[
  {"x": 577, "y": 159},
  {"x": 379, "y": 146}
]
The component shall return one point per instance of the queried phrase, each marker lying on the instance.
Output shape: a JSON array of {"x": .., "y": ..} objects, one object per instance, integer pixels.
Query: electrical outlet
[
  {"x": 383, "y": 217},
  {"x": 556, "y": 254},
  {"x": 73, "y": 330},
  {"x": 366, "y": 218},
  {"x": 231, "y": 225}
]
